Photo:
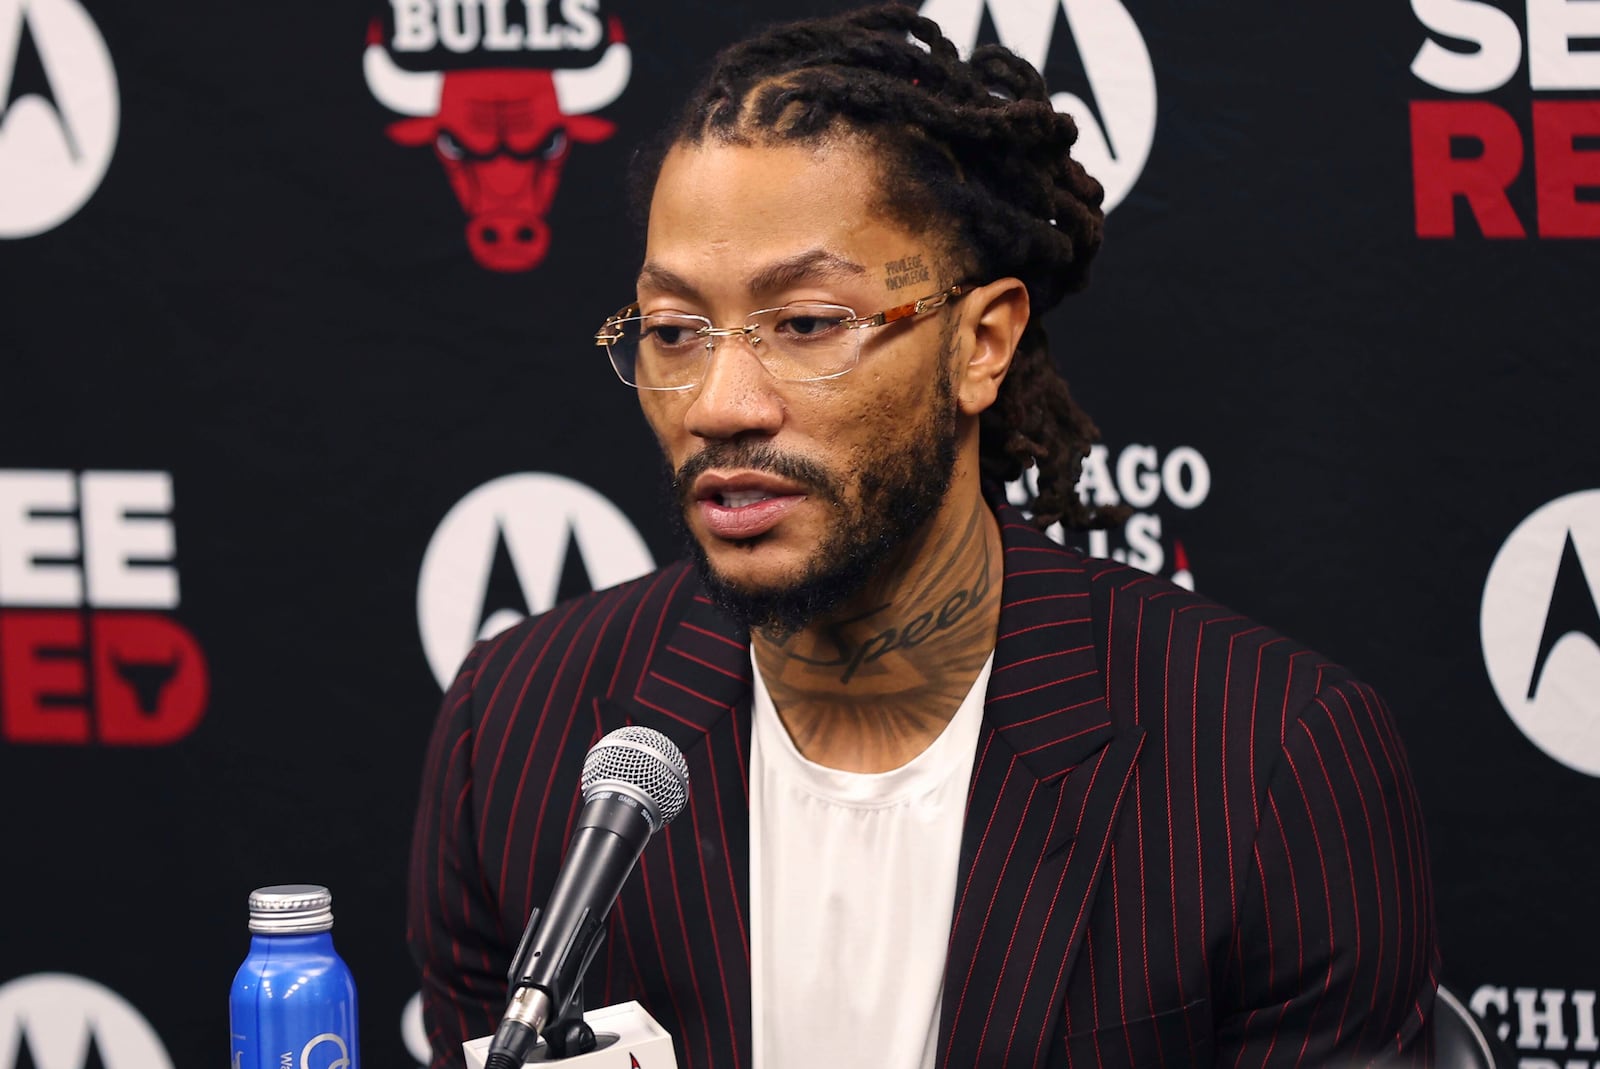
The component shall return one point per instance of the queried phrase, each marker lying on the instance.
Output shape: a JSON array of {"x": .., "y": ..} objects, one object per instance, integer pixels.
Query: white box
[{"x": 639, "y": 1042}]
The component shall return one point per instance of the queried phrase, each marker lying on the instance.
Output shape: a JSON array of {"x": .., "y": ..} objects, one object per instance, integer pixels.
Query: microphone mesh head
[{"x": 645, "y": 760}]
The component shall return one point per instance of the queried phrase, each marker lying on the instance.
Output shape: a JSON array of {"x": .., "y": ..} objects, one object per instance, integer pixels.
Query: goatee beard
[{"x": 899, "y": 491}]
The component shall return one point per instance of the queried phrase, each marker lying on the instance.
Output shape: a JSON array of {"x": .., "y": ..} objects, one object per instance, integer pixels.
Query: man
[{"x": 959, "y": 796}]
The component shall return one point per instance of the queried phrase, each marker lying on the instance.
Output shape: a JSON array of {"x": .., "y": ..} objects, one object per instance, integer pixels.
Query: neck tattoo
[{"x": 877, "y": 684}]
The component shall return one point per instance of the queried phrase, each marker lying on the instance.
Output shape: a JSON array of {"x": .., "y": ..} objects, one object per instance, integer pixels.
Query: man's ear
[{"x": 992, "y": 320}]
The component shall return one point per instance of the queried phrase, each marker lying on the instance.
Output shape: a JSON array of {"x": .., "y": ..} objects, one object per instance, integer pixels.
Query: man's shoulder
[
  {"x": 1148, "y": 629},
  {"x": 600, "y": 625},
  {"x": 1120, "y": 597},
  {"x": 1128, "y": 600}
]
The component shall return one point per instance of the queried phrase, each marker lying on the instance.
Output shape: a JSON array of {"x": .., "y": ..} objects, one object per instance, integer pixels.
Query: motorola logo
[
  {"x": 413, "y": 1034},
  {"x": 513, "y": 548},
  {"x": 1541, "y": 629},
  {"x": 57, "y": 1021},
  {"x": 1092, "y": 54},
  {"x": 58, "y": 113}
]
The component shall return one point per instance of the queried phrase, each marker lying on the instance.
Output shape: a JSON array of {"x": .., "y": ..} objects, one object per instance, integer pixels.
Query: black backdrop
[{"x": 269, "y": 308}]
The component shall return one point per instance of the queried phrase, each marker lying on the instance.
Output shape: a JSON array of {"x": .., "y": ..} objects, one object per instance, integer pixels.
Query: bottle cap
[{"x": 291, "y": 907}]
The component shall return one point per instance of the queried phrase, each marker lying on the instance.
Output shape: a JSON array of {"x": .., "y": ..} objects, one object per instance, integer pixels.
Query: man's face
[{"x": 797, "y": 494}]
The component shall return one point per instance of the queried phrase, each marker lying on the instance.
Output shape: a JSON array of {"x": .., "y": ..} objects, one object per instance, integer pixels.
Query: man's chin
[
  {"x": 778, "y": 605},
  {"x": 750, "y": 567}
]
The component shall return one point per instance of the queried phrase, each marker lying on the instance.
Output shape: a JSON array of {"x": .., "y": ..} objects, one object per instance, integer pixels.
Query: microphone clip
[{"x": 569, "y": 1035}]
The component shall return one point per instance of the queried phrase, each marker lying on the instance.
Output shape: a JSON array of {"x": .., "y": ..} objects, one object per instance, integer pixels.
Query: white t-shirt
[{"x": 852, "y": 888}]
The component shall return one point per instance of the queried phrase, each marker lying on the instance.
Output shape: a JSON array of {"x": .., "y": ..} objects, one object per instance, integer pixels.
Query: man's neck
[{"x": 870, "y": 687}]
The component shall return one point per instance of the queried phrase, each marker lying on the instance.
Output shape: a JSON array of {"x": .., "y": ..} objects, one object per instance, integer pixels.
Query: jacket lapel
[
  {"x": 685, "y": 914},
  {"x": 1046, "y": 787}
]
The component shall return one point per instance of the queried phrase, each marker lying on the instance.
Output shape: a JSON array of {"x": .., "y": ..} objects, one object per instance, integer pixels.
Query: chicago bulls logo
[{"x": 502, "y": 136}]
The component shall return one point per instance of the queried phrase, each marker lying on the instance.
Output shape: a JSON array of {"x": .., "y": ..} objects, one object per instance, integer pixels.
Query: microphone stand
[{"x": 568, "y": 1035}]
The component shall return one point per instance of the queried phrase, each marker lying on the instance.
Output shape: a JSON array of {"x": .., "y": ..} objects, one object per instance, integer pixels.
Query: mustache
[{"x": 755, "y": 456}]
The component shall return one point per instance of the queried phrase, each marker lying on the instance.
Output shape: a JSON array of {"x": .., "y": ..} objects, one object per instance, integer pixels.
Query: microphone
[{"x": 634, "y": 782}]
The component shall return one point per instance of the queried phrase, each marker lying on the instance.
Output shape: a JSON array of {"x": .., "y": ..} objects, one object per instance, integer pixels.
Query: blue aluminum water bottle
[{"x": 294, "y": 1000}]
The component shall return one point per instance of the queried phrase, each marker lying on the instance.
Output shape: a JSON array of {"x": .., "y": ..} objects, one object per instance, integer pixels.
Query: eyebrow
[
  {"x": 813, "y": 264},
  {"x": 656, "y": 277}
]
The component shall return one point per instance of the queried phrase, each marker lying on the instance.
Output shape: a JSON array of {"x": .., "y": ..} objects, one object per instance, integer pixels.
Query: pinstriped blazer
[{"x": 1189, "y": 841}]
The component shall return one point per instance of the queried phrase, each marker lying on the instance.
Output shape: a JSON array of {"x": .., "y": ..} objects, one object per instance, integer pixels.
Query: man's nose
[{"x": 738, "y": 395}]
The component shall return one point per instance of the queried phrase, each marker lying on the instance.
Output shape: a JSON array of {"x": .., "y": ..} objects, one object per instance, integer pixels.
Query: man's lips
[{"x": 739, "y": 505}]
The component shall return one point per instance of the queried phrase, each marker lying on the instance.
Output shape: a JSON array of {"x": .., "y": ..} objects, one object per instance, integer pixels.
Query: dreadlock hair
[{"x": 975, "y": 146}]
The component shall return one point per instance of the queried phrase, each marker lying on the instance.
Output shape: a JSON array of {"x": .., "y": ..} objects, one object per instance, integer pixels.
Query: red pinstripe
[
  {"x": 1172, "y": 840},
  {"x": 1366, "y": 817},
  {"x": 645, "y": 882},
  {"x": 1116, "y": 921},
  {"x": 1227, "y": 807},
  {"x": 683, "y": 934},
  {"x": 966, "y": 982},
  {"x": 594, "y": 653},
  {"x": 727, "y": 854},
  {"x": 1011, "y": 941},
  {"x": 1283, "y": 715},
  {"x": 1066, "y": 1023},
  {"x": 1394, "y": 860},
  {"x": 633, "y": 620},
  {"x": 1344, "y": 839},
  {"x": 1300, "y": 945},
  {"x": 1266, "y": 909},
  {"x": 494, "y": 773},
  {"x": 1067, "y": 709},
  {"x": 1294, "y": 887},
  {"x": 1049, "y": 597},
  {"x": 1053, "y": 551},
  {"x": 1144, "y": 899},
  {"x": 1412, "y": 839},
  {"x": 427, "y": 921},
  {"x": 724, "y": 639},
  {"x": 961, "y": 898},
  {"x": 626, "y": 929},
  {"x": 744, "y": 764},
  {"x": 566, "y": 731},
  {"x": 1327, "y": 895},
  {"x": 1083, "y": 904},
  {"x": 1035, "y": 660},
  {"x": 1094, "y": 997},
  {"x": 1039, "y": 627},
  {"x": 664, "y": 711},
  {"x": 1255, "y": 704},
  {"x": 704, "y": 663},
  {"x": 1194, "y": 777},
  {"x": 722, "y": 978},
  {"x": 553, "y": 624},
  {"x": 690, "y": 690},
  {"x": 465, "y": 907},
  {"x": 594, "y": 736},
  {"x": 1042, "y": 686},
  {"x": 655, "y": 636},
  {"x": 1092, "y": 729},
  {"x": 1138, "y": 640}
]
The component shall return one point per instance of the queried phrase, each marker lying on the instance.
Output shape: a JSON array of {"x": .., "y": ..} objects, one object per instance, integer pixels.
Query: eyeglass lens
[{"x": 796, "y": 342}]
